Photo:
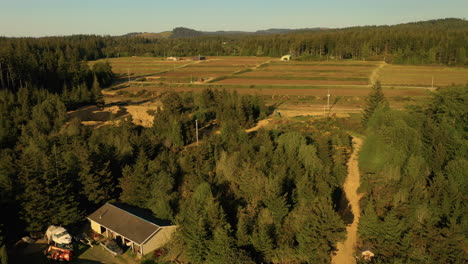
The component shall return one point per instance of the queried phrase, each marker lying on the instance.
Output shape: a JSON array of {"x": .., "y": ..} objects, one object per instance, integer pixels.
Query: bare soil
[
  {"x": 290, "y": 82},
  {"x": 374, "y": 77},
  {"x": 345, "y": 253},
  {"x": 423, "y": 75}
]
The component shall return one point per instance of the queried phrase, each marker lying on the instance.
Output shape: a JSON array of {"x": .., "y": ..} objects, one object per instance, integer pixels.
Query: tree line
[
  {"x": 440, "y": 41},
  {"x": 414, "y": 166},
  {"x": 54, "y": 65}
]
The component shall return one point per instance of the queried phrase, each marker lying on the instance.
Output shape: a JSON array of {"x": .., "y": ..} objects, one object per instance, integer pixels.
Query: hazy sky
[{"x": 117, "y": 17}]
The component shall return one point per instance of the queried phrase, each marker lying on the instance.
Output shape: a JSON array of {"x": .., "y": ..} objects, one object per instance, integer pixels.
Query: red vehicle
[{"x": 57, "y": 253}]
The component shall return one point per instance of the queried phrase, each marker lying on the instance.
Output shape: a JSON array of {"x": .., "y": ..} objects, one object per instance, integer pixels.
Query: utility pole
[
  {"x": 432, "y": 85},
  {"x": 196, "y": 129},
  {"x": 328, "y": 101}
]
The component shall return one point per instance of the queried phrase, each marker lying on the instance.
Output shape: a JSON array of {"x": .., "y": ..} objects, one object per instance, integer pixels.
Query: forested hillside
[
  {"x": 415, "y": 181},
  {"x": 429, "y": 42},
  {"x": 260, "y": 197}
]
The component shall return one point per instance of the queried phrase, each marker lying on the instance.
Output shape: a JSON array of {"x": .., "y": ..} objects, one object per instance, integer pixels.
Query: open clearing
[
  {"x": 301, "y": 88},
  {"x": 398, "y": 75},
  {"x": 135, "y": 67},
  {"x": 306, "y": 73}
]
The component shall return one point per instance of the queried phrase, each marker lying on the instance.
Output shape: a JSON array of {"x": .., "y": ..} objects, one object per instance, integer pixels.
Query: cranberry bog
[
  {"x": 280, "y": 80},
  {"x": 305, "y": 73},
  {"x": 138, "y": 67},
  {"x": 423, "y": 76},
  {"x": 209, "y": 70}
]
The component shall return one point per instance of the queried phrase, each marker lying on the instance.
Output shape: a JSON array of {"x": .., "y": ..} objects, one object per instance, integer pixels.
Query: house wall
[
  {"x": 95, "y": 227},
  {"x": 158, "y": 239}
]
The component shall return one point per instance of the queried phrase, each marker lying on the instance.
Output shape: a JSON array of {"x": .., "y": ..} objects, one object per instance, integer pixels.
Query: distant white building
[
  {"x": 286, "y": 57},
  {"x": 172, "y": 58}
]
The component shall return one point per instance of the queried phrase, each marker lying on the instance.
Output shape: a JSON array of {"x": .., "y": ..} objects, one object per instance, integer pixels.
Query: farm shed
[
  {"x": 286, "y": 58},
  {"x": 199, "y": 58},
  {"x": 131, "y": 226}
]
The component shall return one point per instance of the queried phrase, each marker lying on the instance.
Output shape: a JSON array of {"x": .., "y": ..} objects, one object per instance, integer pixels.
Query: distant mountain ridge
[{"x": 182, "y": 32}]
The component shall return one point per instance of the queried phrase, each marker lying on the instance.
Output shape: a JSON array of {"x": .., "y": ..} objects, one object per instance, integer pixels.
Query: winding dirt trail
[
  {"x": 345, "y": 250},
  {"x": 375, "y": 73}
]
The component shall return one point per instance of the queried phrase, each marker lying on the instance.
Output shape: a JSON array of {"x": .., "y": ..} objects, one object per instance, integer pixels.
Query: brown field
[
  {"x": 287, "y": 90},
  {"x": 283, "y": 81},
  {"x": 290, "y": 82},
  {"x": 300, "y": 88},
  {"x": 141, "y": 66},
  {"x": 235, "y": 61},
  {"x": 306, "y": 73},
  {"x": 212, "y": 68},
  {"x": 404, "y": 75}
]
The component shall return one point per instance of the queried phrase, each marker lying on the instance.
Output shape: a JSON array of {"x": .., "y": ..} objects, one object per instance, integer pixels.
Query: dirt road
[
  {"x": 375, "y": 73},
  {"x": 345, "y": 251}
]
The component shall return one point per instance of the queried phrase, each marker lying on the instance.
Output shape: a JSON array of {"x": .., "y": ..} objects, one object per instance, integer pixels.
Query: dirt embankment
[{"x": 345, "y": 250}]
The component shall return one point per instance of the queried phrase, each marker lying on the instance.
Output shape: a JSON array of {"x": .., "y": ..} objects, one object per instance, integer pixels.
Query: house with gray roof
[{"x": 131, "y": 226}]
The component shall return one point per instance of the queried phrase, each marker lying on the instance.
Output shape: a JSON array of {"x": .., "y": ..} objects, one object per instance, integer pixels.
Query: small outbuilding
[
  {"x": 199, "y": 58},
  {"x": 286, "y": 57},
  {"x": 367, "y": 255},
  {"x": 130, "y": 226}
]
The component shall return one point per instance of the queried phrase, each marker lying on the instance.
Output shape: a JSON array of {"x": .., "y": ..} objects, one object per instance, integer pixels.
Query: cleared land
[
  {"x": 246, "y": 72},
  {"x": 300, "y": 88},
  {"x": 135, "y": 67},
  {"x": 306, "y": 73},
  {"x": 400, "y": 75},
  {"x": 208, "y": 70}
]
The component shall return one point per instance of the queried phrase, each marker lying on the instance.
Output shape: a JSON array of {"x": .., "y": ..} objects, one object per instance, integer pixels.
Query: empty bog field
[
  {"x": 141, "y": 66},
  {"x": 270, "y": 76},
  {"x": 305, "y": 73},
  {"x": 258, "y": 71},
  {"x": 210, "y": 69},
  {"x": 403, "y": 75}
]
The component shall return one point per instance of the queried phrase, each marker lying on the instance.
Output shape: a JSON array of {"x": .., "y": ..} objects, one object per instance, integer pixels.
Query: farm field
[
  {"x": 141, "y": 66},
  {"x": 399, "y": 75},
  {"x": 306, "y": 73},
  {"x": 208, "y": 70},
  {"x": 300, "y": 87},
  {"x": 265, "y": 71}
]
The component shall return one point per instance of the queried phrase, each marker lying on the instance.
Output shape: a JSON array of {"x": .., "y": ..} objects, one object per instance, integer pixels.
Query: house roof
[{"x": 128, "y": 221}]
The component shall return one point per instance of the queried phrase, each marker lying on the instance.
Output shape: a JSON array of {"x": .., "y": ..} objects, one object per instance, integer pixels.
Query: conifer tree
[
  {"x": 373, "y": 100},
  {"x": 96, "y": 93},
  {"x": 222, "y": 249},
  {"x": 49, "y": 195},
  {"x": 136, "y": 182}
]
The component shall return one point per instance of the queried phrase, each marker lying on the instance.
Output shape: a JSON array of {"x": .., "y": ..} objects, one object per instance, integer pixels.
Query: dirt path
[
  {"x": 260, "y": 124},
  {"x": 375, "y": 73},
  {"x": 345, "y": 250}
]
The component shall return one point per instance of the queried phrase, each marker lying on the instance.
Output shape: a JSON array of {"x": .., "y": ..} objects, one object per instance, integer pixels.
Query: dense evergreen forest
[
  {"x": 266, "y": 196},
  {"x": 442, "y": 41},
  {"x": 415, "y": 166},
  {"x": 257, "y": 197}
]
